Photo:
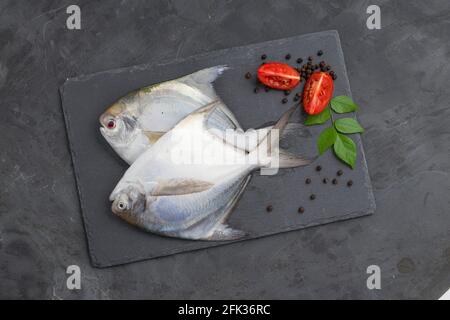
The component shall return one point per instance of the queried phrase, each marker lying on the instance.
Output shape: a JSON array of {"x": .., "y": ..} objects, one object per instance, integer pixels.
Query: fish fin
[
  {"x": 153, "y": 136},
  {"x": 290, "y": 160},
  {"x": 203, "y": 79},
  {"x": 225, "y": 233},
  {"x": 170, "y": 187}
]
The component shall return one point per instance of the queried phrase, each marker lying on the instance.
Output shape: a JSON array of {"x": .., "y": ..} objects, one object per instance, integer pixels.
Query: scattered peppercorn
[
  {"x": 248, "y": 75},
  {"x": 322, "y": 63},
  {"x": 267, "y": 89},
  {"x": 328, "y": 67},
  {"x": 334, "y": 76},
  {"x": 256, "y": 90},
  {"x": 308, "y": 181},
  {"x": 299, "y": 60},
  {"x": 318, "y": 168},
  {"x": 287, "y": 92},
  {"x": 285, "y": 100},
  {"x": 301, "y": 210},
  {"x": 335, "y": 181},
  {"x": 269, "y": 208},
  {"x": 298, "y": 94},
  {"x": 263, "y": 57},
  {"x": 331, "y": 72},
  {"x": 349, "y": 183},
  {"x": 325, "y": 180},
  {"x": 319, "y": 53},
  {"x": 312, "y": 197},
  {"x": 296, "y": 98},
  {"x": 340, "y": 172},
  {"x": 310, "y": 58},
  {"x": 288, "y": 56}
]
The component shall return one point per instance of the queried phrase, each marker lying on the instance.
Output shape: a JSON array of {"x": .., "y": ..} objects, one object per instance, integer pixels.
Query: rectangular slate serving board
[{"x": 97, "y": 168}]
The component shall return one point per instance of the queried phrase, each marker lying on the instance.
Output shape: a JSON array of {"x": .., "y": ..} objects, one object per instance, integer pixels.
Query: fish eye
[
  {"x": 111, "y": 124},
  {"x": 121, "y": 205}
]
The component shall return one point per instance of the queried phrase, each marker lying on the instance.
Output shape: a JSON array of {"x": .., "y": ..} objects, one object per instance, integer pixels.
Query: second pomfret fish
[{"x": 135, "y": 122}]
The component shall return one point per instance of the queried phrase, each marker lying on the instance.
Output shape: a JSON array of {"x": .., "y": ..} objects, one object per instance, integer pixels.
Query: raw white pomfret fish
[
  {"x": 135, "y": 122},
  {"x": 187, "y": 199}
]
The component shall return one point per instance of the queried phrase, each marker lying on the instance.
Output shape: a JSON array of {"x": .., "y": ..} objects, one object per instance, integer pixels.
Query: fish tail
[{"x": 278, "y": 157}]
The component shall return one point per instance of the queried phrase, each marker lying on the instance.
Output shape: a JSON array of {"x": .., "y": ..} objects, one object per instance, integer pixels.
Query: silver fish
[
  {"x": 135, "y": 122},
  {"x": 187, "y": 199}
]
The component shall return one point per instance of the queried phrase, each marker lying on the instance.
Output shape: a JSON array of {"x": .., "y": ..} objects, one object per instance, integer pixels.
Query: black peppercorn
[
  {"x": 256, "y": 90},
  {"x": 349, "y": 183},
  {"x": 340, "y": 172},
  {"x": 288, "y": 56},
  {"x": 308, "y": 181},
  {"x": 299, "y": 60},
  {"x": 318, "y": 168},
  {"x": 335, "y": 181},
  {"x": 287, "y": 92},
  {"x": 319, "y": 53},
  {"x": 325, "y": 180},
  {"x": 301, "y": 210},
  {"x": 263, "y": 57},
  {"x": 310, "y": 58},
  {"x": 334, "y": 76},
  {"x": 269, "y": 208},
  {"x": 312, "y": 197},
  {"x": 248, "y": 75},
  {"x": 285, "y": 100}
]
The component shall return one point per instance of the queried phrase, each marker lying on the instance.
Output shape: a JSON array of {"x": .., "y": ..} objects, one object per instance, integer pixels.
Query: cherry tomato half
[
  {"x": 317, "y": 92},
  {"x": 278, "y": 75}
]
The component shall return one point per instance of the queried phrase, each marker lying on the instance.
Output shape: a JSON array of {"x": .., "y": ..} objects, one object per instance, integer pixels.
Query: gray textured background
[{"x": 399, "y": 75}]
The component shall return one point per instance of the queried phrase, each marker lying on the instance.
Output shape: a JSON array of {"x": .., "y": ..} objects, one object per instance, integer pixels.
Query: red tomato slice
[
  {"x": 278, "y": 75},
  {"x": 317, "y": 92}
]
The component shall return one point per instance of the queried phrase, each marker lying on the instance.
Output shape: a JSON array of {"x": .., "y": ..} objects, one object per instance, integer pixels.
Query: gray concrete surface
[{"x": 399, "y": 75}]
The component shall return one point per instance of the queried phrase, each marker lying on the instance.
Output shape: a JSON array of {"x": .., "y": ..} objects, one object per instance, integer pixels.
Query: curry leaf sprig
[{"x": 336, "y": 135}]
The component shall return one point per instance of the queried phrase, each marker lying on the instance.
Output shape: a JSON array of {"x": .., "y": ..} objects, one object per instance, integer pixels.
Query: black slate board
[{"x": 97, "y": 168}]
